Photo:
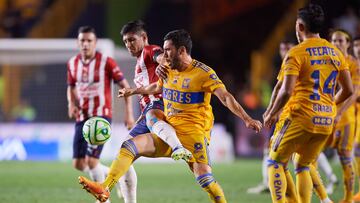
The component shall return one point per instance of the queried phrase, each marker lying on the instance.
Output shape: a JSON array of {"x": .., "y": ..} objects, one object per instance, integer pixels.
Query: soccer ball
[{"x": 96, "y": 130}]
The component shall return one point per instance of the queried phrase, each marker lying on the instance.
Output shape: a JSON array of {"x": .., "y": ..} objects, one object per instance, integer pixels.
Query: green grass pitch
[{"x": 56, "y": 182}]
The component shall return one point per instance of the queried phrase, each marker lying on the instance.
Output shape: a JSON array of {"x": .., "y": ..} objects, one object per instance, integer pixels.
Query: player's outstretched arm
[
  {"x": 129, "y": 115},
  {"x": 230, "y": 102},
  {"x": 153, "y": 88},
  {"x": 274, "y": 94},
  {"x": 282, "y": 98},
  {"x": 346, "y": 89}
]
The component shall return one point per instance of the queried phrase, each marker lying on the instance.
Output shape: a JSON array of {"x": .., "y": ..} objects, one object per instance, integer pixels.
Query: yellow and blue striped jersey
[
  {"x": 317, "y": 63},
  {"x": 187, "y": 95}
]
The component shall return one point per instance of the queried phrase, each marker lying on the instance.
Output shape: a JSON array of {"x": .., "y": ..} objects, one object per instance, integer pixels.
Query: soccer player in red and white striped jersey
[
  {"x": 152, "y": 117},
  {"x": 89, "y": 93}
]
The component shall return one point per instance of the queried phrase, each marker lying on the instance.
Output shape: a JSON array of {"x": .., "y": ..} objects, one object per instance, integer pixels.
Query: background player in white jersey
[
  {"x": 89, "y": 93},
  {"x": 152, "y": 117}
]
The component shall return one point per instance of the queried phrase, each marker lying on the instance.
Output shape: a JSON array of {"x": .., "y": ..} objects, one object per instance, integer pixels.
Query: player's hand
[
  {"x": 270, "y": 120},
  {"x": 253, "y": 124},
  {"x": 162, "y": 72},
  {"x": 129, "y": 122},
  {"x": 125, "y": 92},
  {"x": 265, "y": 114},
  {"x": 73, "y": 110}
]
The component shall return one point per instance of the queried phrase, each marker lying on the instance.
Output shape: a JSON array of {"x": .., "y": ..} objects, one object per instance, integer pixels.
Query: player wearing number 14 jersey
[{"x": 306, "y": 98}]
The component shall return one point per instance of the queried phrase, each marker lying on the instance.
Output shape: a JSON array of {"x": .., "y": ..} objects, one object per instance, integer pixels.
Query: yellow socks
[
  {"x": 291, "y": 195},
  {"x": 317, "y": 182},
  {"x": 303, "y": 184},
  {"x": 277, "y": 181},
  {"x": 208, "y": 183},
  {"x": 121, "y": 164},
  {"x": 348, "y": 172}
]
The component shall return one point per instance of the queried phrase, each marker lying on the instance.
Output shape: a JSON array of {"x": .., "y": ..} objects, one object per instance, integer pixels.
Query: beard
[{"x": 176, "y": 62}]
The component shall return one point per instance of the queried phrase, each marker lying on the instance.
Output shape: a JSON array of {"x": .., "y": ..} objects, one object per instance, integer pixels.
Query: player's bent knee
[
  {"x": 130, "y": 146},
  {"x": 201, "y": 169},
  {"x": 79, "y": 164},
  {"x": 301, "y": 168},
  {"x": 276, "y": 164},
  {"x": 92, "y": 162}
]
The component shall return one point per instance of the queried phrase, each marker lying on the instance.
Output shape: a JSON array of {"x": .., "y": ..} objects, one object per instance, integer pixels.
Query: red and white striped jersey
[
  {"x": 145, "y": 72},
  {"x": 93, "y": 84}
]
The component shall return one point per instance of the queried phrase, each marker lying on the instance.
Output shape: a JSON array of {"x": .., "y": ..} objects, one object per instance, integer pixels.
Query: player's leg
[
  {"x": 155, "y": 121},
  {"x": 141, "y": 145},
  {"x": 357, "y": 151},
  {"x": 308, "y": 153},
  {"x": 324, "y": 166},
  {"x": 199, "y": 164},
  {"x": 319, "y": 187},
  {"x": 357, "y": 162},
  {"x": 344, "y": 149},
  {"x": 206, "y": 180},
  {"x": 291, "y": 196},
  {"x": 79, "y": 150},
  {"x": 281, "y": 148},
  {"x": 263, "y": 186}
]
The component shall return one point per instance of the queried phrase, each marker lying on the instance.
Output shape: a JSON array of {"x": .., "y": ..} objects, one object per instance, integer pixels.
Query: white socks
[
  {"x": 97, "y": 173},
  {"x": 167, "y": 133},
  {"x": 264, "y": 167},
  {"x": 324, "y": 165},
  {"x": 128, "y": 184}
]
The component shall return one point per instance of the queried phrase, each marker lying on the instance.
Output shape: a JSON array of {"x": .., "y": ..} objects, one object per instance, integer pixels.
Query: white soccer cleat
[
  {"x": 258, "y": 189},
  {"x": 181, "y": 153}
]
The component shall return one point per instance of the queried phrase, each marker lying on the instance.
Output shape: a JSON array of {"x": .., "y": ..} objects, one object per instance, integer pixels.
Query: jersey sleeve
[
  {"x": 211, "y": 81},
  {"x": 292, "y": 63},
  {"x": 151, "y": 53},
  {"x": 70, "y": 78},
  {"x": 280, "y": 76},
  {"x": 114, "y": 70}
]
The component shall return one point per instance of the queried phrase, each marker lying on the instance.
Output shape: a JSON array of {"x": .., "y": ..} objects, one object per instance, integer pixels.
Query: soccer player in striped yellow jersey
[
  {"x": 186, "y": 93},
  {"x": 356, "y": 48},
  {"x": 306, "y": 103},
  {"x": 344, "y": 133}
]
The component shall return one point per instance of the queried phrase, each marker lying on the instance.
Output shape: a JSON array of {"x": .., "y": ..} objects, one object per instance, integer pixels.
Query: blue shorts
[
  {"x": 141, "y": 127},
  {"x": 80, "y": 147}
]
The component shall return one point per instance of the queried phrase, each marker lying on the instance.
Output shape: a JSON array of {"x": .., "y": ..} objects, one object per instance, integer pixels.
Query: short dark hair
[
  {"x": 180, "y": 38},
  {"x": 86, "y": 29},
  {"x": 313, "y": 17},
  {"x": 133, "y": 26}
]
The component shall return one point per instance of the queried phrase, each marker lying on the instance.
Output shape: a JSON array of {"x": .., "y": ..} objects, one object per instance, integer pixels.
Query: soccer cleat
[
  {"x": 356, "y": 197},
  {"x": 181, "y": 153},
  {"x": 258, "y": 189},
  {"x": 98, "y": 191}
]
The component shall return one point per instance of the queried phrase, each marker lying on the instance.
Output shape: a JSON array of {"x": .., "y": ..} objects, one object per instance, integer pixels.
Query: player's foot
[
  {"x": 356, "y": 197},
  {"x": 181, "y": 153},
  {"x": 258, "y": 189},
  {"x": 118, "y": 190},
  {"x": 97, "y": 190},
  {"x": 333, "y": 183}
]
